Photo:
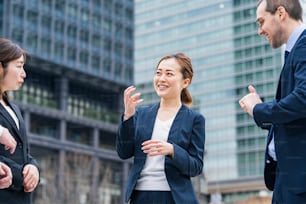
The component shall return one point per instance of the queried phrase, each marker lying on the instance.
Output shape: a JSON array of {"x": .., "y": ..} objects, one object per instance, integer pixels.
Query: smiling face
[
  {"x": 269, "y": 25},
  {"x": 13, "y": 76},
  {"x": 168, "y": 79}
]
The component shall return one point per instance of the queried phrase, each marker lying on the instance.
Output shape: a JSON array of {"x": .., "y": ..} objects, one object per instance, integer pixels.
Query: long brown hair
[
  {"x": 187, "y": 71},
  {"x": 9, "y": 51}
]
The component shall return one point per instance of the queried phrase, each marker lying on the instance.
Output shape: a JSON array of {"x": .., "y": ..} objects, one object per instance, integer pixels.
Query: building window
[
  {"x": 38, "y": 89},
  {"x": 45, "y": 45},
  {"x": 128, "y": 74},
  {"x": 107, "y": 25},
  {"x": 129, "y": 14},
  {"x": 107, "y": 44},
  {"x": 46, "y": 23},
  {"x": 84, "y": 36},
  {"x": 47, "y": 6},
  {"x": 129, "y": 53},
  {"x": 17, "y": 35},
  {"x": 107, "y": 140},
  {"x": 118, "y": 67},
  {"x": 118, "y": 10},
  {"x": 107, "y": 65},
  {"x": 59, "y": 27},
  {"x": 32, "y": 17},
  {"x": 59, "y": 7},
  {"x": 96, "y": 41},
  {"x": 18, "y": 11},
  {"x": 72, "y": 32},
  {"x": 71, "y": 53},
  {"x": 84, "y": 59},
  {"x": 110, "y": 180},
  {"x": 84, "y": 16},
  {"x": 77, "y": 133},
  {"x": 118, "y": 30},
  {"x": 97, "y": 3},
  {"x": 96, "y": 21},
  {"x": 108, "y": 5},
  {"x": 44, "y": 126},
  {"x": 77, "y": 178},
  {"x": 72, "y": 11},
  {"x": 48, "y": 160},
  {"x": 95, "y": 64},
  {"x": 118, "y": 49},
  {"x": 32, "y": 41},
  {"x": 59, "y": 50},
  {"x": 87, "y": 102},
  {"x": 129, "y": 33}
]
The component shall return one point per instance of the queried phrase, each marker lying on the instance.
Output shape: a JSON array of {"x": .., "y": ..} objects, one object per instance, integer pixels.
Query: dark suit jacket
[
  {"x": 187, "y": 134},
  {"x": 287, "y": 113},
  {"x": 16, "y": 161}
]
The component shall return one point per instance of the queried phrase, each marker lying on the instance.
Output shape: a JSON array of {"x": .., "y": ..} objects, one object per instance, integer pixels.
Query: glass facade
[
  {"x": 228, "y": 55},
  {"x": 80, "y": 59},
  {"x": 76, "y": 34}
]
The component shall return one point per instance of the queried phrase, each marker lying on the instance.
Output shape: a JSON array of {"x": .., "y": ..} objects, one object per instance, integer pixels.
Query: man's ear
[{"x": 281, "y": 12}]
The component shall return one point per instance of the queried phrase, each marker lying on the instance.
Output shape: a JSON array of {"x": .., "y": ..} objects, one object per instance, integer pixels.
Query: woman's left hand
[
  {"x": 30, "y": 177},
  {"x": 157, "y": 147}
]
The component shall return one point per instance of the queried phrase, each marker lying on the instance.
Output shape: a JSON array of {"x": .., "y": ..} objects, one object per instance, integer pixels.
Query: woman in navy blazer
[
  {"x": 23, "y": 167},
  {"x": 166, "y": 139}
]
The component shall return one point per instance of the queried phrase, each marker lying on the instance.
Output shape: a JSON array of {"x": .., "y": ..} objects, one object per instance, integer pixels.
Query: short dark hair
[{"x": 293, "y": 7}]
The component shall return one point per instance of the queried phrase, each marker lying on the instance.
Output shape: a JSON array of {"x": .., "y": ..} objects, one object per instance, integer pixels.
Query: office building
[
  {"x": 221, "y": 38},
  {"x": 80, "y": 58}
]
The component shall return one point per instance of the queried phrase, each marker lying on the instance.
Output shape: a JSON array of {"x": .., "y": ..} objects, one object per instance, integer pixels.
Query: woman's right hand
[
  {"x": 8, "y": 140},
  {"x": 6, "y": 177},
  {"x": 130, "y": 102}
]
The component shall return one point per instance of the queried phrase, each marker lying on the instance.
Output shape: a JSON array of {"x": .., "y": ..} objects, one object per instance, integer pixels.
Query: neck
[
  {"x": 170, "y": 104},
  {"x": 290, "y": 27}
]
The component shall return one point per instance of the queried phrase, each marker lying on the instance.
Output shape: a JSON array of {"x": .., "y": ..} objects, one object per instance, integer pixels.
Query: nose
[
  {"x": 162, "y": 77},
  {"x": 260, "y": 31},
  {"x": 23, "y": 73}
]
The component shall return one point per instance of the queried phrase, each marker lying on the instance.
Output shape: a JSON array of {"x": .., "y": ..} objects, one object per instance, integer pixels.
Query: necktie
[
  {"x": 271, "y": 145},
  {"x": 286, "y": 55}
]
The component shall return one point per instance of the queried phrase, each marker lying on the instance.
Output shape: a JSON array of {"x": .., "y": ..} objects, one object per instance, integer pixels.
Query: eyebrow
[
  {"x": 166, "y": 69},
  {"x": 259, "y": 20},
  {"x": 20, "y": 62}
]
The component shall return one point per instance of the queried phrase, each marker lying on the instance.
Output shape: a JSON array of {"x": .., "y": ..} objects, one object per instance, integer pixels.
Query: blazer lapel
[
  {"x": 149, "y": 120},
  {"x": 177, "y": 122},
  {"x": 9, "y": 118}
]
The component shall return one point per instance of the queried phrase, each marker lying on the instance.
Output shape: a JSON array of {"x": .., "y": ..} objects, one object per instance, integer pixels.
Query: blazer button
[
  {"x": 20, "y": 145},
  {"x": 268, "y": 161}
]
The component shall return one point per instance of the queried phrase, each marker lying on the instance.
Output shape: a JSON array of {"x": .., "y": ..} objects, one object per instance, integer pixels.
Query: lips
[
  {"x": 162, "y": 87},
  {"x": 268, "y": 38}
]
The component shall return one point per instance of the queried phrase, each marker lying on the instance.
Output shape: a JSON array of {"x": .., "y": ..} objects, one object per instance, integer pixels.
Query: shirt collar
[{"x": 294, "y": 37}]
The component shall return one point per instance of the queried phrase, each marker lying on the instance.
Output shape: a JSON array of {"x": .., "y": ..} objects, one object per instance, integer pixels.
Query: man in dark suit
[{"x": 285, "y": 165}]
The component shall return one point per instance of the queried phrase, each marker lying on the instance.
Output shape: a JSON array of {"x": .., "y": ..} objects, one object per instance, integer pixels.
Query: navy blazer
[
  {"x": 287, "y": 113},
  {"x": 16, "y": 161},
  {"x": 187, "y": 134}
]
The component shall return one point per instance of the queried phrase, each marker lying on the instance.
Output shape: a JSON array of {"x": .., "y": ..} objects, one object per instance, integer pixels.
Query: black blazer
[
  {"x": 287, "y": 113},
  {"x": 16, "y": 161},
  {"x": 187, "y": 134}
]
